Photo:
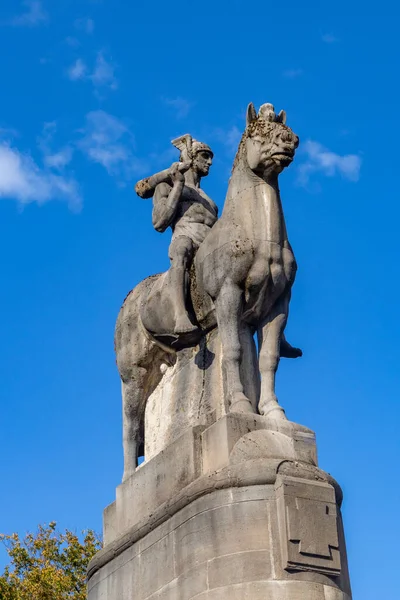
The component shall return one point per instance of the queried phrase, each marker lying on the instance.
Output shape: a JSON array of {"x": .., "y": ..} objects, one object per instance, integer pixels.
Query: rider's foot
[{"x": 288, "y": 351}]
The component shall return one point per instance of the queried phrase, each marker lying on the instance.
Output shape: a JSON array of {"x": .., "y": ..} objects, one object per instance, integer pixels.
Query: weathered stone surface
[
  {"x": 239, "y": 437},
  {"x": 156, "y": 482},
  {"x": 230, "y": 503},
  {"x": 273, "y": 590},
  {"x": 179, "y": 530},
  {"x": 240, "y": 270},
  {"x": 189, "y": 394},
  {"x": 219, "y": 546},
  {"x": 240, "y": 567},
  {"x": 308, "y": 525},
  {"x": 200, "y": 451},
  {"x": 221, "y": 531}
]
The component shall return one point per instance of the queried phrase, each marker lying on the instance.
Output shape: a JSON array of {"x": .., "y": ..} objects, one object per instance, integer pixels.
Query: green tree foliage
[{"x": 48, "y": 565}]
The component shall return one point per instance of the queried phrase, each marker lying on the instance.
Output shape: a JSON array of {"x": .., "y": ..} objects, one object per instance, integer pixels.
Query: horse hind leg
[
  {"x": 139, "y": 383},
  {"x": 133, "y": 399}
]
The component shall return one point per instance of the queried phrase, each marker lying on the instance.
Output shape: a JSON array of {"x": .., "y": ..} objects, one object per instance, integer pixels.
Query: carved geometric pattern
[{"x": 308, "y": 527}]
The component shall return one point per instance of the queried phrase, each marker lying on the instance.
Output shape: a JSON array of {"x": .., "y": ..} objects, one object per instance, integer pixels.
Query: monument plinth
[
  {"x": 238, "y": 509},
  {"x": 230, "y": 502}
]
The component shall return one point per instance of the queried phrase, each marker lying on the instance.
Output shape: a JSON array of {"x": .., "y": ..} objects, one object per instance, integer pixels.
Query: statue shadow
[{"x": 204, "y": 358}]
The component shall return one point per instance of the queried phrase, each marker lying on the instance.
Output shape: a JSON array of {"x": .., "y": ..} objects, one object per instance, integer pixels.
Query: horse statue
[{"x": 240, "y": 282}]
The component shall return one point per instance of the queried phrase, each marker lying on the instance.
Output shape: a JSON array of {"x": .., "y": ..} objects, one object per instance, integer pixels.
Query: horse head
[{"x": 268, "y": 145}]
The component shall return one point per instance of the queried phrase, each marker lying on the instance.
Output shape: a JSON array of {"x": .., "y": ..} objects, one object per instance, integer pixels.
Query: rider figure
[{"x": 189, "y": 212}]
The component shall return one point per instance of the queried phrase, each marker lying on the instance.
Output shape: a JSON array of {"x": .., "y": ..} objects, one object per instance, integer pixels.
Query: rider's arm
[{"x": 165, "y": 203}]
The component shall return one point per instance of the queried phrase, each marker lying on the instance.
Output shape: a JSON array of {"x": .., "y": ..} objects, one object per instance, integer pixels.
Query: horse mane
[{"x": 239, "y": 151}]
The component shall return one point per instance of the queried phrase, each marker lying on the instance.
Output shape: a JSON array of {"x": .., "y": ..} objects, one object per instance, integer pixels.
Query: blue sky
[{"x": 92, "y": 94}]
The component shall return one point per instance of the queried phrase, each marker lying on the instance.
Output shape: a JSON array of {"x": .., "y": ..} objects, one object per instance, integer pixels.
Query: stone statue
[
  {"x": 180, "y": 203},
  {"x": 241, "y": 275},
  {"x": 230, "y": 502}
]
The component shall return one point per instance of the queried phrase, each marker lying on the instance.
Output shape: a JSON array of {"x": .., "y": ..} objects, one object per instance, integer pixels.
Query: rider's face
[{"x": 202, "y": 162}]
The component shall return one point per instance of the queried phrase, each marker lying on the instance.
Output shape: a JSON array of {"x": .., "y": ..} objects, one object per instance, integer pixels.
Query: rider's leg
[{"x": 181, "y": 253}]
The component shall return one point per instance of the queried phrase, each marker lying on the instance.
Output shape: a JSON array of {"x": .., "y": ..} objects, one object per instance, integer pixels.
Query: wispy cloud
[
  {"x": 58, "y": 159},
  {"x": 72, "y": 41},
  {"x": 102, "y": 75},
  {"x": 292, "y": 73},
  {"x": 180, "y": 105},
  {"x": 77, "y": 70},
  {"x": 85, "y": 24},
  {"x": 23, "y": 180},
  {"x": 34, "y": 15},
  {"x": 329, "y": 38},
  {"x": 230, "y": 138},
  {"x": 323, "y": 161},
  {"x": 106, "y": 140}
]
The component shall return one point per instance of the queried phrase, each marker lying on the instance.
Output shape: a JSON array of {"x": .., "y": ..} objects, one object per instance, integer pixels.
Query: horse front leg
[
  {"x": 228, "y": 310},
  {"x": 269, "y": 340}
]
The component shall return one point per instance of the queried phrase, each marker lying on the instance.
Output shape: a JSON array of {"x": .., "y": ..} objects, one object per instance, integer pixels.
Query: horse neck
[{"x": 255, "y": 203}]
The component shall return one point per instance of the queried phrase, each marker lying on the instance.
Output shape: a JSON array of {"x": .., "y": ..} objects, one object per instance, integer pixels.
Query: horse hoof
[
  {"x": 274, "y": 412},
  {"x": 241, "y": 404}
]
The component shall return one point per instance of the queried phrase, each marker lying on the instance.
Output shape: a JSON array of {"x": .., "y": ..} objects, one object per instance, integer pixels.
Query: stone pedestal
[{"x": 234, "y": 510}]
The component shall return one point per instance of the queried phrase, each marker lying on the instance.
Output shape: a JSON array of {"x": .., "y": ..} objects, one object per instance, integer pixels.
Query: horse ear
[
  {"x": 251, "y": 114},
  {"x": 282, "y": 117}
]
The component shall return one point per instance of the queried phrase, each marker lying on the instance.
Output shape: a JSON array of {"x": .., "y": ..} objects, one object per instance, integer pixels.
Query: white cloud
[
  {"x": 321, "y": 160},
  {"x": 104, "y": 73},
  {"x": 292, "y": 73},
  {"x": 107, "y": 141},
  {"x": 23, "y": 180},
  {"x": 329, "y": 38},
  {"x": 59, "y": 160},
  {"x": 78, "y": 70},
  {"x": 33, "y": 16},
  {"x": 181, "y": 106},
  {"x": 85, "y": 24},
  {"x": 102, "y": 76}
]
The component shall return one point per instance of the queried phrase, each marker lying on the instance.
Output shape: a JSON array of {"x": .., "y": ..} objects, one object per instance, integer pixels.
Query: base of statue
[{"x": 236, "y": 510}]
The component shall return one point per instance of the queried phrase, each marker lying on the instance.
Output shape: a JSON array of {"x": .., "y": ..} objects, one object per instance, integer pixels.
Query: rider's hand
[{"x": 177, "y": 170}]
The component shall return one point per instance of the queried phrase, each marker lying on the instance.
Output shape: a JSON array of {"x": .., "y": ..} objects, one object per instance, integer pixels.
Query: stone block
[
  {"x": 220, "y": 531},
  {"x": 188, "y": 585},
  {"x": 110, "y": 530},
  {"x": 239, "y": 437},
  {"x": 156, "y": 567},
  {"x": 158, "y": 480},
  {"x": 308, "y": 525},
  {"x": 190, "y": 394},
  {"x": 239, "y": 568},
  {"x": 274, "y": 590},
  {"x": 119, "y": 579}
]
